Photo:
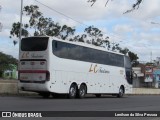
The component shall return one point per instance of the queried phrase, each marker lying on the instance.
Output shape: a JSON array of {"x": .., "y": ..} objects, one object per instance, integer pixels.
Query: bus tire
[
  {"x": 82, "y": 91},
  {"x": 98, "y": 95},
  {"x": 72, "y": 91},
  {"x": 121, "y": 92}
]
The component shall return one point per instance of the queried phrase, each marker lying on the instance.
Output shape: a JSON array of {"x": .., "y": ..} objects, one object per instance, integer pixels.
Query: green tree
[
  {"x": 6, "y": 62},
  {"x": 99, "y": 39},
  {"x": 133, "y": 56},
  {"x": 95, "y": 36},
  {"x": 15, "y": 30},
  {"x": 40, "y": 25},
  {"x": 124, "y": 51}
]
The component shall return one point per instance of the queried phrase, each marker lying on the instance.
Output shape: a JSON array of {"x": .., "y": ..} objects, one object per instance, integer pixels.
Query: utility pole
[
  {"x": 151, "y": 56},
  {"x": 20, "y": 30},
  {"x": 21, "y": 12},
  {"x": 0, "y": 22}
]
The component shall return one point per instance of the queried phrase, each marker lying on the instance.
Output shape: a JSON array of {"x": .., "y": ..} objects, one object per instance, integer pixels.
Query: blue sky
[{"x": 133, "y": 30}]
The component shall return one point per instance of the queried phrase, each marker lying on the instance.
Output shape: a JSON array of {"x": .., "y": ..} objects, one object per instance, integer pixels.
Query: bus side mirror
[{"x": 134, "y": 75}]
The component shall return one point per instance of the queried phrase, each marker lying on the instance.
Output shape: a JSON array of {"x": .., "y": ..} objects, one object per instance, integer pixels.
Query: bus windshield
[
  {"x": 34, "y": 44},
  {"x": 128, "y": 62},
  {"x": 128, "y": 68}
]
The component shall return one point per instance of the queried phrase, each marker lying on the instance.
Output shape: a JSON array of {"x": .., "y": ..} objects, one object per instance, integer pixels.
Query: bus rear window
[{"x": 34, "y": 43}]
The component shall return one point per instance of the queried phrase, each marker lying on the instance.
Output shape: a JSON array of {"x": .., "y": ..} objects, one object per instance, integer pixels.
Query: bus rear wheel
[
  {"x": 72, "y": 91},
  {"x": 121, "y": 92},
  {"x": 82, "y": 91}
]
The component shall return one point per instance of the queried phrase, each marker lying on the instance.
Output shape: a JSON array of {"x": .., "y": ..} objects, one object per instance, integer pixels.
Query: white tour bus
[{"x": 48, "y": 66}]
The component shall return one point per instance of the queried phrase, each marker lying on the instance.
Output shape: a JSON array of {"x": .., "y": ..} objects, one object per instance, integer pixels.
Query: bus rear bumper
[{"x": 34, "y": 87}]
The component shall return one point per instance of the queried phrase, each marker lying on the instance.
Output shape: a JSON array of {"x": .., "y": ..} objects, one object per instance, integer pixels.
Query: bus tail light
[{"x": 47, "y": 76}]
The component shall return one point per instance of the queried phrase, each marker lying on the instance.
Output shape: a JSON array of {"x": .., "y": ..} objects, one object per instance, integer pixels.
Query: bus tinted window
[
  {"x": 34, "y": 44},
  {"x": 127, "y": 62},
  {"x": 75, "y": 52},
  {"x": 60, "y": 49},
  {"x": 128, "y": 68},
  {"x": 116, "y": 60}
]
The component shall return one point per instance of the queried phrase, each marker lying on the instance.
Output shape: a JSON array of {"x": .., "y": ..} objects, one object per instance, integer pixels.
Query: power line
[{"x": 60, "y": 13}]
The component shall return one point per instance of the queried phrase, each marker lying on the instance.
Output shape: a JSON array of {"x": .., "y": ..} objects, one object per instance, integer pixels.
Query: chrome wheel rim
[{"x": 72, "y": 91}]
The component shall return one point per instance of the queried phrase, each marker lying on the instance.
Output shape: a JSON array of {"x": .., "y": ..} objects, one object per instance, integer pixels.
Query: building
[
  {"x": 138, "y": 80},
  {"x": 146, "y": 76},
  {"x": 156, "y": 78},
  {"x": 11, "y": 74}
]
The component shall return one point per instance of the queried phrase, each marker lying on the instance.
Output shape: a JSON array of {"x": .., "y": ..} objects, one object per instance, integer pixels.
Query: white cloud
[
  {"x": 68, "y": 22},
  {"x": 123, "y": 28}
]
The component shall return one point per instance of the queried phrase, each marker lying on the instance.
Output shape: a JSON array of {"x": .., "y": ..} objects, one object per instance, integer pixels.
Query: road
[
  {"x": 90, "y": 103},
  {"x": 106, "y": 103}
]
